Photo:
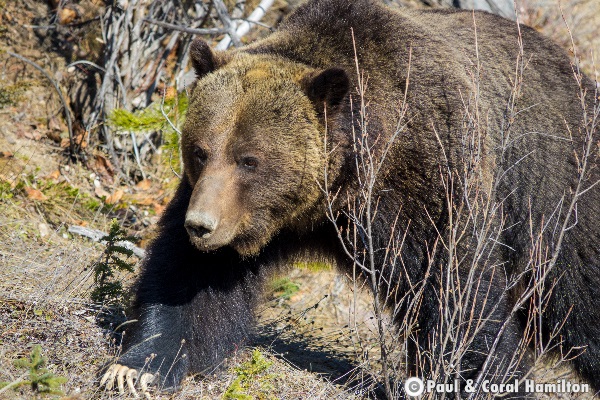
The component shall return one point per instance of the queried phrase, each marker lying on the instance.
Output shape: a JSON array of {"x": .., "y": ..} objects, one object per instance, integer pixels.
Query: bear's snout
[{"x": 200, "y": 224}]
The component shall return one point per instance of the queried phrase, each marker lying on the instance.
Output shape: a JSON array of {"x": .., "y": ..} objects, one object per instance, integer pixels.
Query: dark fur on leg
[
  {"x": 192, "y": 308},
  {"x": 473, "y": 336}
]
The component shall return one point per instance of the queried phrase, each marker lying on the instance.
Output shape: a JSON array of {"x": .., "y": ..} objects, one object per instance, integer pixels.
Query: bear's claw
[{"x": 125, "y": 374}]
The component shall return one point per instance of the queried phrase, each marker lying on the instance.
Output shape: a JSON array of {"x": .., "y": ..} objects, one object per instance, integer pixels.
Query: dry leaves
[
  {"x": 115, "y": 197},
  {"x": 66, "y": 16},
  {"x": 54, "y": 175},
  {"x": 158, "y": 208},
  {"x": 56, "y": 124},
  {"x": 35, "y": 194},
  {"x": 103, "y": 168},
  {"x": 78, "y": 140},
  {"x": 28, "y": 134},
  {"x": 69, "y": 13},
  {"x": 98, "y": 191},
  {"x": 143, "y": 184},
  {"x": 141, "y": 199},
  {"x": 55, "y": 137}
]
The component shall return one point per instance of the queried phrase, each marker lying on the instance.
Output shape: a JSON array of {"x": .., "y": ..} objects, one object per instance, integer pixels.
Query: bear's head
[{"x": 253, "y": 146}]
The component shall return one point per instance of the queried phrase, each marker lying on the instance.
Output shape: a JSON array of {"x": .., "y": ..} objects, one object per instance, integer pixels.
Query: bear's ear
[
  {"x": 328, "y": 87},
  {"x": 204, "y": 60}
]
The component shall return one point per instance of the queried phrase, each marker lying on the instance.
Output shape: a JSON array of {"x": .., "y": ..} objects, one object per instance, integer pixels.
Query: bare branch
[
  {"x": 227, "y": 23},
  {"x": 245, "y": 26},
  {"x": 97, "y": 235},
  {"x": 66, "y": 109},
  {"x": 193, "y": 31}
]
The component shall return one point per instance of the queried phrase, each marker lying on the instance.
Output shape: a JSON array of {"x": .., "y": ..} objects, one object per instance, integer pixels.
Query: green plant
[
  {"x": 284, "y": 288},
  {"x": 107, "y": 287},
  {"x": 12, "y": 94},
  {"x": 92, "y": 204},
  {"x": 314, "y": 266},
  {"x": 5, "y": 191},
  {"x": 68, "y": 194},
  {"x": 166, "y": 115},
  {"x": 39, "y": 378},
  {"x": 249, "y": 374}
]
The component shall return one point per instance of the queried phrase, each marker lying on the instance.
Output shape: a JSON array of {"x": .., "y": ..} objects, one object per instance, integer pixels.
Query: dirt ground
[{"x": 316, "y": 334}]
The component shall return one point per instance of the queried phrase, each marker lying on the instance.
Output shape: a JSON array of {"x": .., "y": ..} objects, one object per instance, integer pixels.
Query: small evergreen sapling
[
  {"x": 115, "y": 258},
  {"x": 39, "y": 378}
]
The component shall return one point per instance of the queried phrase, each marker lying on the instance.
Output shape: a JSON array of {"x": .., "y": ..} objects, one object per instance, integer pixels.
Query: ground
[{"x": 316, "y": 336}]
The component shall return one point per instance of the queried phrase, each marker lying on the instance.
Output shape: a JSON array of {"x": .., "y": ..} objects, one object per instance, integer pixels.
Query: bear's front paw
[{"x": 124, "y": 374}]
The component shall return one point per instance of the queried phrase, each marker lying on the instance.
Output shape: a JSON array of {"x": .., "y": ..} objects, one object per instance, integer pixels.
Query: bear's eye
[
  {"x": 249, "y": 163},
  {"x": 200, "y": 155}
]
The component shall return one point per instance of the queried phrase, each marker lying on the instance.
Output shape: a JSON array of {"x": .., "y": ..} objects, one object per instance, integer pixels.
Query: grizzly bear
[{"x": 481, "y": 135}]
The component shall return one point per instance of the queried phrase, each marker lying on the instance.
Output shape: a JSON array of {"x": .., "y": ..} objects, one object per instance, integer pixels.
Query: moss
[
  {"x": 152, "y": 119},
  {"x": 11, "y": 95},
  {"x": 251, "y": 381},
  {"x": 6, "y": 192},
  {"x": 92, "y": 204},
  {"x": 284, "y": 288},
  {"x": 313, "y": 266}
]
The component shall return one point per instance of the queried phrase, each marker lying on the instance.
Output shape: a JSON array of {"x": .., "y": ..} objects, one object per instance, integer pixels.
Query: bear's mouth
[
  {"x": 206, "y": 240},
  {"x": 224, "y": 233},
  {"x": 208, "y": 235},
  {"x": 243, "y": 247}
]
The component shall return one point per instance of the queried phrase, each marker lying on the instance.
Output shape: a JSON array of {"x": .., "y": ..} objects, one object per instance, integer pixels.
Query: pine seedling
[
  {"x": 114, "y": 258},
  {"x": 39, "y": 378}
]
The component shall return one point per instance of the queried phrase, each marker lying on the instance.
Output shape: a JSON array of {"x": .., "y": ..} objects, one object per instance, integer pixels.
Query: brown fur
[{"x": 255, "y": 145}]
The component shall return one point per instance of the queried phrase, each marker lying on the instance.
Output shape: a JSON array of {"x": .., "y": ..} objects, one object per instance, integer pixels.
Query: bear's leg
[
  {"x": 192, "y": 308},
  {"x": 573, "y": 311},
  {"x": 155, "y": 347},
  {"x": 463, "y": 338}
]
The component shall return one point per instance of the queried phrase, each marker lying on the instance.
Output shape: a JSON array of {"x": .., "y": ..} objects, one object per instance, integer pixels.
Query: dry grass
[
  {"x": 552, "y": 17},
  {"x": 322, "y": 342},
  {"x": 45, "y": 276},
  {"x": 322, "y": 334},
  {"x": 44, "y": 300}
]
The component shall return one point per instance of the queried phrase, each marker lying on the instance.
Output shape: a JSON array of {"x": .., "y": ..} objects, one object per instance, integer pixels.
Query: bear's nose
[{"x": 200, "y": 224}]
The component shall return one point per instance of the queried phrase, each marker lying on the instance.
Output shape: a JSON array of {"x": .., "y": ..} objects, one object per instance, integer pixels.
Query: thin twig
[
  {"x": 66, "y": 108},
  {"x": 85, "y": 62},
  {"x": 162, "y": 110},
  {"x": 230, "y": 27},
  {"x": 73, "y": 25},
  {"x": 97, "y": 236},
  {"x": 194, "y": 31},
  {"x": 136, "y": 152},
  {"x": 254, "y": 18}
]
